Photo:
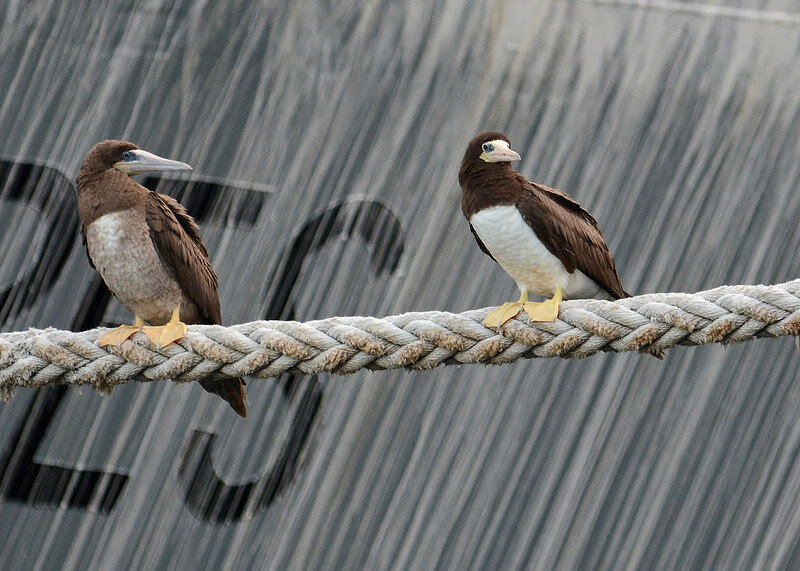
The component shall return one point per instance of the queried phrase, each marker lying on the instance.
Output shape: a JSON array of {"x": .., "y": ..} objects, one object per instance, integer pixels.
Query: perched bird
[
  {"x": 540, "y": 236},
  {"x": 148, "y": 251}
]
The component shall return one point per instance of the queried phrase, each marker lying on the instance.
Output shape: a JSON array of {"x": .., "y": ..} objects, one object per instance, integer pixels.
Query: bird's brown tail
[{"x": 231, "y": 390}]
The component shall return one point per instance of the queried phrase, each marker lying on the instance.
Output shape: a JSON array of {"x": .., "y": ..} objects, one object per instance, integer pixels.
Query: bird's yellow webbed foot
[
  {"x": 117, "y": 335},
  {"x": 546, "y": 310},
  {"x": 174, "y": 330},
  {"x": 120, "y": 334},
  {"x": 506, "y": 312},
  {"x": 503, "y": 313}
]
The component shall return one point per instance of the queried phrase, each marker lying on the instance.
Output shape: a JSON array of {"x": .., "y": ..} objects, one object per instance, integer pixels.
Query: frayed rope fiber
[{"x": 648, "y": 323}]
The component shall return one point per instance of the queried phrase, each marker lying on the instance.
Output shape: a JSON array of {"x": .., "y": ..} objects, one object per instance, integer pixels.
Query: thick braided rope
[{"x": 417, "y": 340}]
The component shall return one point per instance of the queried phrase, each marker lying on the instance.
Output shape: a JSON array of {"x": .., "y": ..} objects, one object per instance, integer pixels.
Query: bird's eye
[
  {"x": 487, "y": 148},
  {"x": 127, "y": 156}
]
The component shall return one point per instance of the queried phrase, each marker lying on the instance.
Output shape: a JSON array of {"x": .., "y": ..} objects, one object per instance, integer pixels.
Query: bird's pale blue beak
[{"x": 137, "y": 161}]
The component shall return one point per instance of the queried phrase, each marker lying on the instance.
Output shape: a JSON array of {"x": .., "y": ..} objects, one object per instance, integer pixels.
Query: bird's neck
[
  {"x": 485, "y": 184},
  {"x": 480, "y": 174},
  {"x": 103, "y": 193}
]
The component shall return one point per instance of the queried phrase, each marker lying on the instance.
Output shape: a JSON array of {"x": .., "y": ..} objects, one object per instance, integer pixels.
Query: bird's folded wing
[
  {"x": 177, "y": 240},
  {"x": 570, "y": 233},
  {"x": 83, "y": 241},
  {"x": 481, "y": 245}
]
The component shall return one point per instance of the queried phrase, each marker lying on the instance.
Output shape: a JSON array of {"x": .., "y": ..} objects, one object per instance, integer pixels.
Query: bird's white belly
[
  {"x": 121, "y": 249},
  {"x": 522, "y": 255}
]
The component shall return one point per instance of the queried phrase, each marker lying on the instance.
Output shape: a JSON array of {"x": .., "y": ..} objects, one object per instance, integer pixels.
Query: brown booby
[
  {"x": 148, "y": 251},
  {"x": 543, "y": 239}
]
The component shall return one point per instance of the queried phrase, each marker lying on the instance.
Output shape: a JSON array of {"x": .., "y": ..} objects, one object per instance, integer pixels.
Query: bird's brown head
[
  {"x": 127, "y": 158},
  {"x": 486, "y": 152},
  {"x": 103, "y": 182},
  {"x": 105, "y": 154},
  {"x": 488, "y": 156}
]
